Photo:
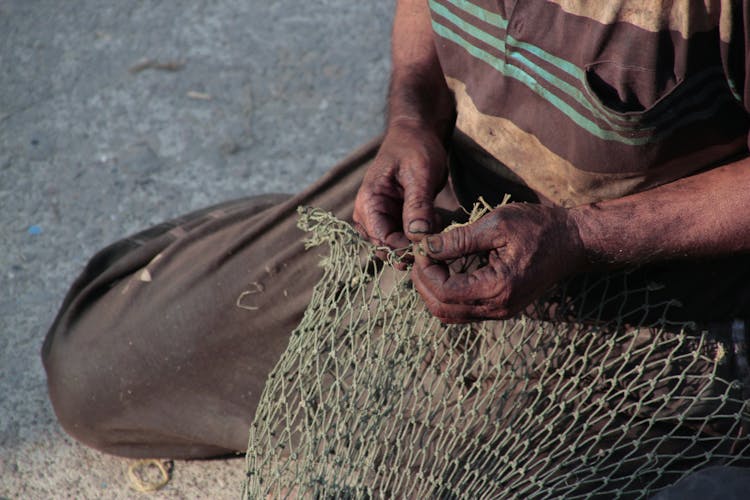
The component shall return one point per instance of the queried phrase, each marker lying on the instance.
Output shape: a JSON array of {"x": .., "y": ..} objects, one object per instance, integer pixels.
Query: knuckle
[
  {"x": 417, "y": 157},
  {"x": 417, "y": 202},
  {"x": 361, "y": 230},
  {"x": 498, "y": 241},
  {"x": 460, "y": 240},
  {"x": 416, "y": 166},
  {"x": 363, "y": 199},
  {"x": 357, "y": 214},
  {"x": 359, "y": 222},
  {"x": 361, "y": 216}
]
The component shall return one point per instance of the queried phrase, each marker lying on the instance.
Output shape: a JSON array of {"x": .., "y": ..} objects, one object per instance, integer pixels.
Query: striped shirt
[{"x": 585, "y": 100}]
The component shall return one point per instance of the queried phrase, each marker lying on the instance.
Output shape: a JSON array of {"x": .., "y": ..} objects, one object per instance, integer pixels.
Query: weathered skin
[
  {"x": 530, "y": 247},
  {"x": 396, "y": 201}
]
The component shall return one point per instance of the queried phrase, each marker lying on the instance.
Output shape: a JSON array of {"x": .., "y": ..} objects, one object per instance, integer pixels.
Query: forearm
[
  {"x": 700, "y": 216},
  {"x": 418, "y": 92}
]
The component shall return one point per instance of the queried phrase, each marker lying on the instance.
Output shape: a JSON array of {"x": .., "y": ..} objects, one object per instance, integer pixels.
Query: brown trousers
[
  {"x": 163, "y": 344},
  {"x": 151, "y": 356}
]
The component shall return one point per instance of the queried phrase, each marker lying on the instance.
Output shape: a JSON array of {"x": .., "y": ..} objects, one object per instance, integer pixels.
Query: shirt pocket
[
  {"x": 630, "y": 96},
  {"x": 648, "y": 105}
]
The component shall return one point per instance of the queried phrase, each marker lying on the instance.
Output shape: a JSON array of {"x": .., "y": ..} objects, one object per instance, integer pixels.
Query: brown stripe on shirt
[
  {"x": 489, "y": 144},
  {"x": 621, "y": 107}
]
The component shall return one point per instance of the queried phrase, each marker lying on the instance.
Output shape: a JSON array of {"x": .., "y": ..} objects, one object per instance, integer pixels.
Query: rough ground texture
[{"x": 270, "y": 95}]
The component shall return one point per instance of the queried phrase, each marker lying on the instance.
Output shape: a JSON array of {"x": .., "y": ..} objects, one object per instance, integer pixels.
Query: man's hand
[
  {"x": 395, "y": 203},
  {"x": 529, "y": 248}
]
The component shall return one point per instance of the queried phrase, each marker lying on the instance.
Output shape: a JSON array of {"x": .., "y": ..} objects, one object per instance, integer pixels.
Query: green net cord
[{"x": 375, "y": 398}]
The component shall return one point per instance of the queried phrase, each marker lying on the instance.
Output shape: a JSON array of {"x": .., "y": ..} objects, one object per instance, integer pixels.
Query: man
[
  {"x": 625, "y": 122},
  {"x": 597, "y": 157}
]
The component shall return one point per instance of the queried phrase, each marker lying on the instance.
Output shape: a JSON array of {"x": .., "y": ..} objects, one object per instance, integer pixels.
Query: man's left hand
[{"x": 529, "y": 248}]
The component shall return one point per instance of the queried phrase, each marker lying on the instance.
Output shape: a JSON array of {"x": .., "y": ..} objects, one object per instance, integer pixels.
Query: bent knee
[
  {"x": 78, "y": 392},
  {"x": 110, "y": 395},
  {"x": 92, "y": 372}
]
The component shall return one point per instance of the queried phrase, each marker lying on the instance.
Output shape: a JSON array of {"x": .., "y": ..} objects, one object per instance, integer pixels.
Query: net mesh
[{"x": 375, "y": 398}]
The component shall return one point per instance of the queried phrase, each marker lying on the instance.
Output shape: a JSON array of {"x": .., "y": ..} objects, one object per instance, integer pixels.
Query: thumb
[
  {"x": 458, "y": 242},
  {"x": 419, "y": 217}
]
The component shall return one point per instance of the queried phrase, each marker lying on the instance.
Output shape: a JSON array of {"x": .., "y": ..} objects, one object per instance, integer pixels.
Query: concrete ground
[{"x": 226, "y": 98}]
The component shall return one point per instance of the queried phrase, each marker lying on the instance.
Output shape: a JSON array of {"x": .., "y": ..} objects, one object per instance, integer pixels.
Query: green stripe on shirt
[
  {"x": 618, "y": 132},
  {"x": 554, "y": 81},
  {"x": 536, "y": 87}
]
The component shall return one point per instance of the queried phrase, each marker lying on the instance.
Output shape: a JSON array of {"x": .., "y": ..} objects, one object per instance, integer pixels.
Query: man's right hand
[{"x": 395, "y": 204}]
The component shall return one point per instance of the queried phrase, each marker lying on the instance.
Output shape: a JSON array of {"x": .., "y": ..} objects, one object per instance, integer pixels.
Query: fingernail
[
  {"x": 419, "y": 226},
  {"x": 435, "y": 244}
]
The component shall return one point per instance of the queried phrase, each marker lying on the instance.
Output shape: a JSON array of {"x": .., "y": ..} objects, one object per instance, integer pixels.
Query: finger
[
  {"x": 460, "y": 313},
  {"x": 397, "y": 256},
  {"x": 396, "y": 240},
  {"x": 379, "y": 217},
  {"x": 359, "y": 227},
  {"x": 419, "y": 217},
  {"x": 453, "y": 312},
  {"x": 446, "y": 217},
  {"x": 473, "y": 238},
  {"x": 400, "y": 258},
  {"x": 433, "y": 279}
]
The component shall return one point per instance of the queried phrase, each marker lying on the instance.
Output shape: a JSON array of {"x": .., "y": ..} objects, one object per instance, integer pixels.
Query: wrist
[
  {"x": 408, "y": 121},
  {"x": 441, "y": 130},
  {"x": 573, "y": 249},
  {"x": 585, "y": 223},
  {"x": 421, "y": 101},
  {"x": 606, "y": 234},
  {"x": 405, "y": 124}
]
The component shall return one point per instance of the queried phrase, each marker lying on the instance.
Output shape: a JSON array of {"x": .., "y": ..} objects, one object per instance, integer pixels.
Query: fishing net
[{"x": 375, "y": 398}]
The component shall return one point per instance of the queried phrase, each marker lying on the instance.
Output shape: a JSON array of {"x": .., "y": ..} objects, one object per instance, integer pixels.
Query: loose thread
[{"x": 147, "y": 486}]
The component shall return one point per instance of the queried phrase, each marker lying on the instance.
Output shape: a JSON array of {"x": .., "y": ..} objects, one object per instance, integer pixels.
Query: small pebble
[
  {"x": 229, "y": 148},
  {"x": 35, "y": 230}
]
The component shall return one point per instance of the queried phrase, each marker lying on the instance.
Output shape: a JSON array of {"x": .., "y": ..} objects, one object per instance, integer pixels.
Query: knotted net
[{"x": 375, "y": 398}]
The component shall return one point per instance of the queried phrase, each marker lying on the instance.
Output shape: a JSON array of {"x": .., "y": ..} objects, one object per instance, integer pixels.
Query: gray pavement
[{"x": 252, "y": 96}]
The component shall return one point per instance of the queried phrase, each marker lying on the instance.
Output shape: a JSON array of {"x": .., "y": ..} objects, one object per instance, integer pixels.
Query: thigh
[{"x": 163, "y": 345}]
